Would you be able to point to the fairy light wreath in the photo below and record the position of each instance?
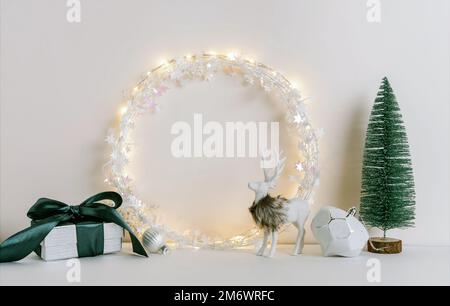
(175, 73)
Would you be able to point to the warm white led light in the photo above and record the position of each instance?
(123, 110)
(232, 56)
(163, 62)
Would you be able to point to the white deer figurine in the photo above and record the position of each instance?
(271, 213)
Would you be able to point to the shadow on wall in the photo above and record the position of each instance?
(346, 193)
(349, 179)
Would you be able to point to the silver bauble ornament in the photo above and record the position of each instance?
(154, 241)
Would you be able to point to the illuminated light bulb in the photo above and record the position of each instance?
(148, 73)
(299, 167)
(232, 56)
(213, 53)
(298, 119)
(163, 62)
(294, 85)
(188, 56)
(135, 89)
(123, 110)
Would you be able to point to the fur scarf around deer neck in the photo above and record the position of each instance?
(269, 213)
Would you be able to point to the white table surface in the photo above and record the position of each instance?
(415, 266)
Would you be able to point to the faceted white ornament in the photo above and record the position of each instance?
(339, 232)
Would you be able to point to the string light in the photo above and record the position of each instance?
(123, 110)
(294, 85)
(163, 62)
(203, 66)
(232, 56)
(299, 167)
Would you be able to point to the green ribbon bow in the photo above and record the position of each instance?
(48, 213)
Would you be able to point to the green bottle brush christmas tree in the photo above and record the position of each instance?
(387, 193)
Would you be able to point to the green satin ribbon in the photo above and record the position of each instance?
(90, 238)
(48, 213)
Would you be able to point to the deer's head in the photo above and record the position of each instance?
(271, 177)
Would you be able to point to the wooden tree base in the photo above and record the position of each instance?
(381, 245)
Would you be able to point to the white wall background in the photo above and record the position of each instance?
(62, 83)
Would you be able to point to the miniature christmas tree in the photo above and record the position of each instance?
(387, 195)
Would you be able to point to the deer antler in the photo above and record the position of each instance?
(266, 174)
(271, 179)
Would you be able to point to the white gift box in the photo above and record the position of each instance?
(61, 242)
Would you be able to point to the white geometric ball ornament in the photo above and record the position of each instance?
(339, 232)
